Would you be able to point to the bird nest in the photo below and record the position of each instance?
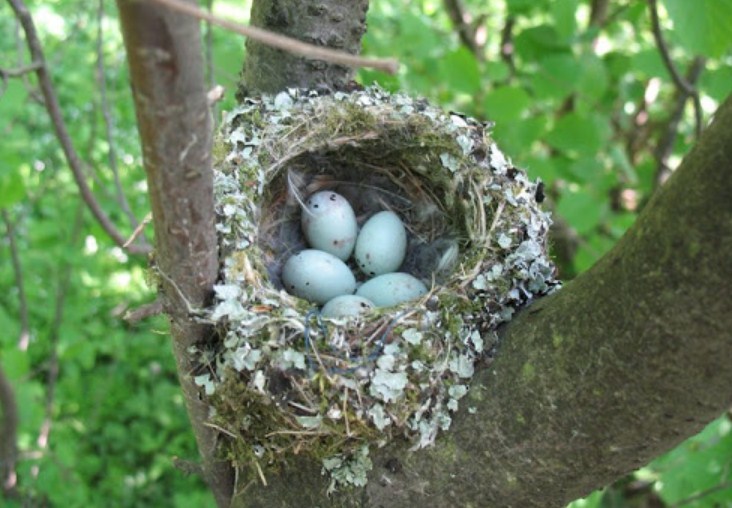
(284, 380)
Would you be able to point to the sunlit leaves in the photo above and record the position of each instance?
(703, 26)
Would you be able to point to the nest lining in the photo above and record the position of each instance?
(283, 380)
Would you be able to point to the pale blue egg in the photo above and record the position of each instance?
(346, 306)
(317, 276)
(329, 224)
(392, 289)
(381, 245)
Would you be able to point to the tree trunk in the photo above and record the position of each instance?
(337, 24)
(621, 365)
(166, 67)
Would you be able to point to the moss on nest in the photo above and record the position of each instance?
(285, 381)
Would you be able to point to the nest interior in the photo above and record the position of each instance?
(281, 379)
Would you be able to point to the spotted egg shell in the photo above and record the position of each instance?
(346, 306)
(317, 276)
(329, 224)
(392, 289)
(381, 245)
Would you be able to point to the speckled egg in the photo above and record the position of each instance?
(392, 289)
(317, 276)
(329, 224)
(381, 245)
(346, 306)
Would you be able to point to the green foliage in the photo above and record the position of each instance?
(582, 107)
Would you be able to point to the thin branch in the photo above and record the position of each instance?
(53, 340)
(145, 311)
(54, 111)
(24, 338)
(506, 49)
(109, 121)
(20, 71)
(390, 66)
(8, 437)
(668, 138)
(682, 84)
(598, 13)
(465, 30)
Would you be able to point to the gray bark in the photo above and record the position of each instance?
(337, 24)
(167, 73)
(591, 383)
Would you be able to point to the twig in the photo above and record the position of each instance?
(54, 111)
(145, 311)
(682, 84)
(109, 121)
(668, 138)
(140, 227)
(598, 13)
(507, 45)
(53, 340)
(20, 71)
(8, 437)
(390, 66)
(466, 32)
(24, 338)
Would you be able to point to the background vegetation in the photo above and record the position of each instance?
(581, 98)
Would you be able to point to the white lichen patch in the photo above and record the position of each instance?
(332, 388)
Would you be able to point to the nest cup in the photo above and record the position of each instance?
(476, 238)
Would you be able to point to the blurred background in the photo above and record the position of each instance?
(581, 98)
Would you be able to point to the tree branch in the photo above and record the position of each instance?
(54, 111)
(109, 124)
(590, 383)
(8, 437)
(466, 32)
(168, 82)
(64, 279)
(288, 44)
(332, 23)
(684, 86)
(24, 338)
(665, 146)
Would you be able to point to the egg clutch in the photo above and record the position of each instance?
(321, 274)
(366, 204)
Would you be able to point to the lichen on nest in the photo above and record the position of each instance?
(282, 379)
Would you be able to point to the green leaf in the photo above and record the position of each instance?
(518, 136)
(523, 7)
(506, 104)
(534, 43)
(582, 210)
(577, 134)
(704, 27)
(12, 187)
(565, 22)
(699, 464)
(592, 82)
(15, 363)
(460, 69)
(717, 83)
(557, 76)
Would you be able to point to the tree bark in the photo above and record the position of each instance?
(8, 437)
(332, 23)
(621, 365)
(167, 73)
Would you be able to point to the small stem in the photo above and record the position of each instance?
(24, 338)
(62, 133)
(390, 66)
